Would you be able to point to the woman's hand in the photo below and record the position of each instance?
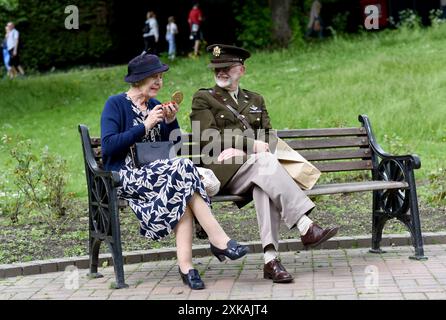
(170, 111)
(155, 116)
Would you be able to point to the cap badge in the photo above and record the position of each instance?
(217, 51)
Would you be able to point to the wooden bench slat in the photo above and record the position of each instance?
(337, 154)
(328, 143)
(343, 166)
(225, 198)
(322, 189)
(333, 188)
(309, 133)
(323, 132)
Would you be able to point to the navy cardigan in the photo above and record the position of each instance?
(118, 133)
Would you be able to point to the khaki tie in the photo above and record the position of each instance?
(234, 96)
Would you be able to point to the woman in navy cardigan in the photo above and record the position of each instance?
(165, 195)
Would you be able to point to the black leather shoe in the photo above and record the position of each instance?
(192, 279)
(233, 251)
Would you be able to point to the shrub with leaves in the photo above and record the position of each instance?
(409, 19)
(437, 192)
(254, 18)
(436, 17)
(35, 186)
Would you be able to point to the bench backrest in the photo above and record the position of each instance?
(333, 149)
(330, 150)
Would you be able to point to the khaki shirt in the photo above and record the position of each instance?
(212, 113)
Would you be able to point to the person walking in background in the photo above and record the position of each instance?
(5, 51)
(12, 44)
(151, 33)
(195, 19)
(171, 31)
(315, 23)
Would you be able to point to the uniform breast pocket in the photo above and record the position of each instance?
(255, 119)
(224, 119)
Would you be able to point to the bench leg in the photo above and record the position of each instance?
(95, 244)
(412, 221)
(116, 249)
(379, 220)
(118, 265)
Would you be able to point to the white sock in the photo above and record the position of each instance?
(304, 224)
(270, 255)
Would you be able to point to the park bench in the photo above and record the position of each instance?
(390, 179)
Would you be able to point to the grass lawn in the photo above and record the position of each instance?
(397, 78)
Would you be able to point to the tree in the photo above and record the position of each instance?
(280, 14)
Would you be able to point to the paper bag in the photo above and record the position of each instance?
(302, 171)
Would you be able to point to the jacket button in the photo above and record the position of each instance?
(222, 116)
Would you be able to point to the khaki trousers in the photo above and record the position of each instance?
(276, 196)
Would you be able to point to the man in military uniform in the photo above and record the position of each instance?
(228, 122)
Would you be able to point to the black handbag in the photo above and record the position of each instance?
(146, 152)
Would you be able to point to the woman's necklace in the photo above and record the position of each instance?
(141, 106)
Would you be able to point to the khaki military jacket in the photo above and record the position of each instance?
(209, 112)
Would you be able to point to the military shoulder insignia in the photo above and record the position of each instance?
(217, 51)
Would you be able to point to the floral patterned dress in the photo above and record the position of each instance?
(158, 193)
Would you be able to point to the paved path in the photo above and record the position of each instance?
(319, 274)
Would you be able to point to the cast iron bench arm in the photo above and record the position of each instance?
(413, 159)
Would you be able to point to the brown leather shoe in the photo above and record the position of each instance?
(276, 271)
(316, 235)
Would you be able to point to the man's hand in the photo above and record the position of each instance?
(260, 146)
(229, 153)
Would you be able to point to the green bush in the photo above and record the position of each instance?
(408, 19)
(35, 186)
(435, 17)
(437, 187)
(255, 22)
(44, 40)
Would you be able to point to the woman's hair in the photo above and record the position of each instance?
(171, 19)
(150, 14)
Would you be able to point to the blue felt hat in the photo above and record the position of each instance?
(143, 66)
